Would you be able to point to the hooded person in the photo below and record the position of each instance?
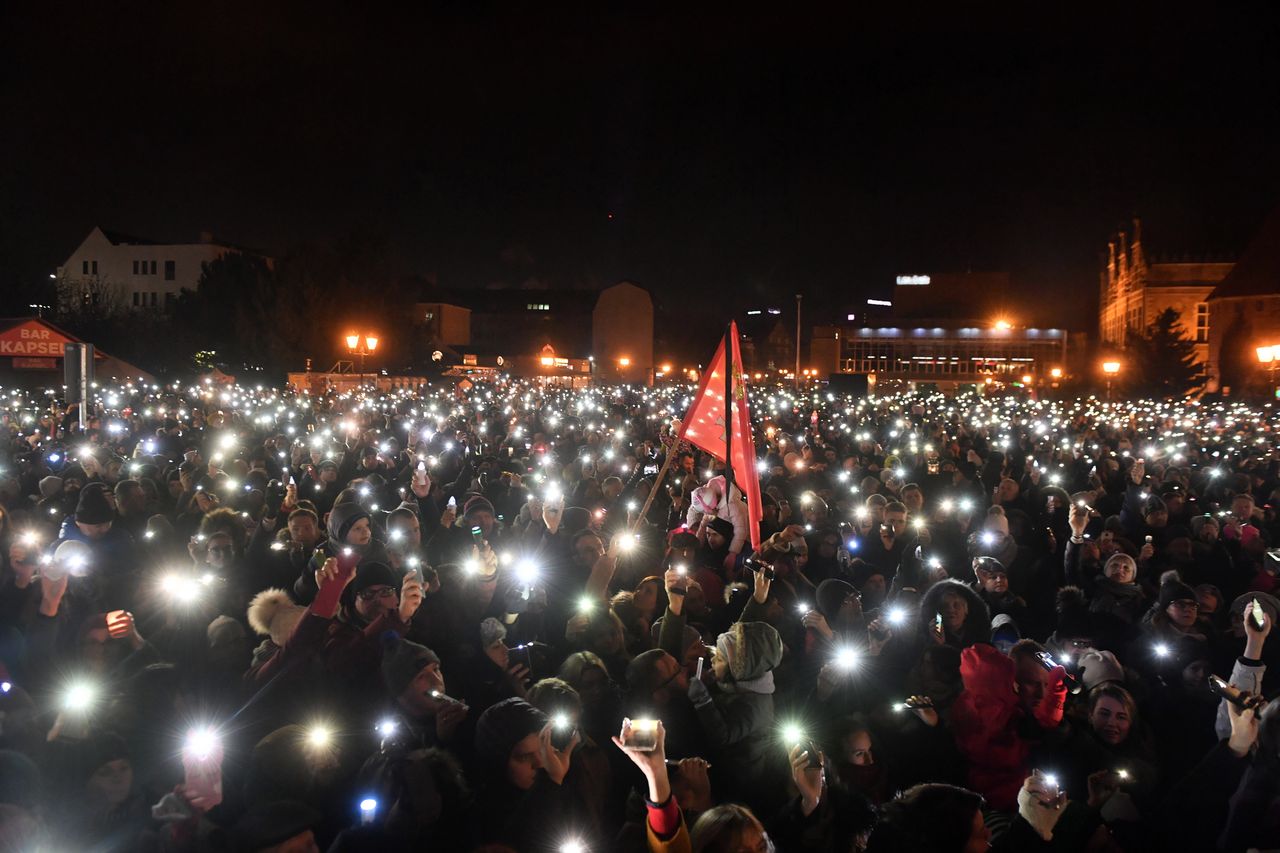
(349, 526)
(964, 616)
(523, 800)
(416, 687)
(737, 713)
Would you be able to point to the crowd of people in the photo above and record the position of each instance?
(513, 617)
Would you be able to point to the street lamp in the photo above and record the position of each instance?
(362, 346)
(1270, 356)
(1110, 368)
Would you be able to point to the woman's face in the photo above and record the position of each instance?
(1121, 571)
(524, 762)
(857, 749)
(593, 686)
(1183, 612)
(646, 597)
(954, 610)
(1110, 721)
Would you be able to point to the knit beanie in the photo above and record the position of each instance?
(504, 725)
(374, 574)
(574, 519)
(273, 614)
(722, 526)
(477, 503)
(223, 631)
(402, 660)
(50, 487)
(342, 518)
(1099, 667)
(93, 507)
(1154, 504)
(1175, 590)
(491, 631)
(832, 593)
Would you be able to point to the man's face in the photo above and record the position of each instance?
(220, 551)
(373, 601)
(133, 502)
(94, 531)
(995, 583)
(897, 520)
(914, 499)
(1157, 519)
(1183, 612)
(1242, 508)
(1208, 533)
(671, 679)
(588, 550)
(328, 474)
(1008, 490)
(416, 698)
(304, 530)
(715, 540)
(406, 533)
(483, 519)
(1032, 680)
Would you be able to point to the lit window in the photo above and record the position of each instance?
(1202, 322)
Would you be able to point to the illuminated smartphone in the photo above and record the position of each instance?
(642, 735)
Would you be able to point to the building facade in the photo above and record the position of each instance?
(1135, 289)
(951, 355)
(1244, 314)
(135, 274)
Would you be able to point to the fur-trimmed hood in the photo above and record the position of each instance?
(977, 625)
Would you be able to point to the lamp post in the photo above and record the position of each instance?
(1270, 355)
(362, 345)
(1110, 369)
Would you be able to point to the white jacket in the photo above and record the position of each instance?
(709, 499)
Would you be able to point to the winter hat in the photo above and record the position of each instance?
(491, 631)
(402, 660)
(224, 631)
(268, 824)
(1270, 605)
(751, 649)
(93, 507)
(1154, 504)
(50, 487)
(832, 593)
(574, 518)
(100, 749)
(682, 538)
(342, 518)
(722, 526)
(504, 725)
(477, 503)
(273, 614)
(1175, 590)
(74, 472)
(1004, 632)
(327, 463)
(1099, 667)
(374, 574)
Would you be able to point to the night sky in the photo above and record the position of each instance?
(719, 160)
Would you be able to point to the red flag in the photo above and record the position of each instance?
(705, 425)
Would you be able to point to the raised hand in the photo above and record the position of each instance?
(809, 780)
(556, 761)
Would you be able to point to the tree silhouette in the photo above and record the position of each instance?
(1165, 358)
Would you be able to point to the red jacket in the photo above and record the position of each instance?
(986, 717)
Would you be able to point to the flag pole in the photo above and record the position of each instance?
(658, 480)
(728, 413)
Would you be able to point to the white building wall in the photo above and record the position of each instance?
(126, 270)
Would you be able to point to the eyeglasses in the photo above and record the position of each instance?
(220, 549)
(377, 592)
